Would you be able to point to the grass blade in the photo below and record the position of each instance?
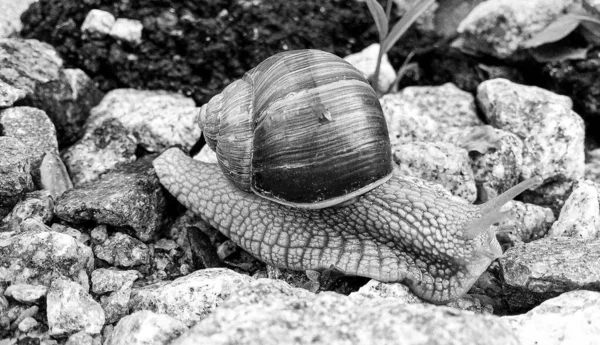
(407, 20)
(381, 20)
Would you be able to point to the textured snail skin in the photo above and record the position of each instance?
(402, 231)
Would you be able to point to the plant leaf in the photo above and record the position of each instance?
(381, 20)
(557, 51)
(407, 20)
(557, 30)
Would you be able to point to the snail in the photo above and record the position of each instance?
(391, 228)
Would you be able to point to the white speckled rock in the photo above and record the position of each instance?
(36, 205)
(439, 162)
(42, 257)
(157, 119)
(499, 27)
(127, 30)
(552, 133)
(26, 293)
(98, 23)
(108, 280)
(190, 298)
(272, 312)
(580, 216)
(11, 11)
(10, 94)
(15, 169)
(70, 309)
(528, 222)
(405, 120)
(571, 318)
(366, 62)
(123, 251)
(144, 328)
(116, 305)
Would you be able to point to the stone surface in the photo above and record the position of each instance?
(76, 234)
(405, 120)
(366, 62)
(592, 6)
(500, 27)
(207, 155)
(70, 309)
(11, 16)
(33, 128)
(580, 216)
(54, 176)
(552, 133)
(81, 338)
(26, 293)
(527, 222)
(27, 324)
(127, 30)
(592, 165)
(536, 271)
(446, 104)
(157, 119)
(145, 327)
(108, 280)
(116, 305)
(15, 173)
(439, 162)
(571, 318)
(99, 151)
(98, 23)
(9, 94)
(36, 205)
(272, 312)
(190, 298)
(39, 258)
(130, 196)
(123, 251)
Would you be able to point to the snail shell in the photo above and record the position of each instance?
(303, 128)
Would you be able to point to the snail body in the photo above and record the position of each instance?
(303, 128)
(304, 131)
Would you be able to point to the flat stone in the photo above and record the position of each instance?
(272, 312)
(109, 280)
(130, 196)
(536, 271)
(26, 293)
(146, 327)
(190, 298)
(70, 309)
(39, 258)
(571, 318)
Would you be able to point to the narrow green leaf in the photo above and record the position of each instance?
(381, 20)
(557, 30)
(407, 20)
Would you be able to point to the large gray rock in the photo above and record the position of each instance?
(580, 216)
(108, 280)
(536, 271)
(39, 258)
(130, 196)
(144, 328)
(190, 298)
(571, 318)
(272, 312)
(15, 173)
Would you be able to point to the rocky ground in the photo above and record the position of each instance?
(94, 251)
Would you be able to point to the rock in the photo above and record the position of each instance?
(98, 23)
(36, 69)
(76, 234)
(54, 176)
(446, 104)
(439, 162)
(25, 293)
(366, 62)
(580, 216)
(190, 298)
(116, 305)
(157, 119)
(42, 257)
(27, 324)
(207, 155)
(33, 128)
(131, 197)
(9, 94)
(15, 173)
(123, 251)
(592, 6)
(99, 151)
(552, 133)
(11, 16)
(99, 234)
(542, 269)
(80, 338)
(592, 165)
(501, 27)
(145, 327)
(109, 280)
(36, 205)
(527, 222)
(571, 318)
(127, 30)
(405, 120)
(271, 312)
(70, 309)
